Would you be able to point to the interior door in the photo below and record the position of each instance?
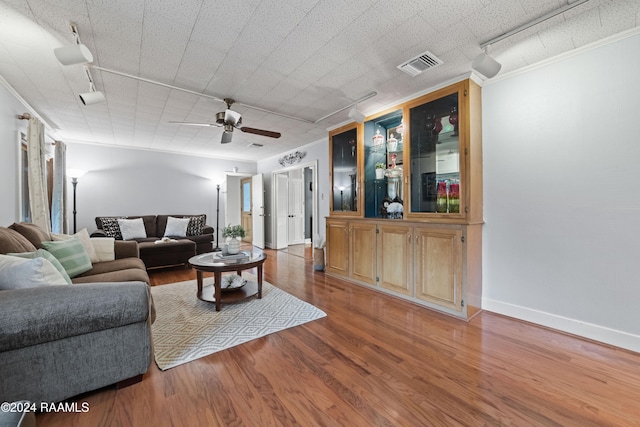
(257, 211)
(282, 210)
(245, 209)
(296, 207)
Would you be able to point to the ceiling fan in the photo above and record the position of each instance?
(231, 119)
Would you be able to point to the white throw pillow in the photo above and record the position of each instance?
(132, 228)
(176, 227)
(84, 237)
(21, 273)
(104, 248)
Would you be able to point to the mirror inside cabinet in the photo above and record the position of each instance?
(435, 156)
(345, 166)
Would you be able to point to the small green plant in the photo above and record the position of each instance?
(380, 166)
(233, 231)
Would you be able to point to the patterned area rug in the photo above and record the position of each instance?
(186, 328)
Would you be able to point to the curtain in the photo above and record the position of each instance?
(59, 198)
(38, 194)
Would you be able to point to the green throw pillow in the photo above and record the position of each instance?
(41, 253)
(71, 254)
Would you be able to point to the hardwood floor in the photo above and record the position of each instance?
(376, 360)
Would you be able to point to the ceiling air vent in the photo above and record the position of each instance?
(420, 63)
(255, 144)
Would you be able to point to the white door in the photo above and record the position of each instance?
(296, 207)
(257, 210)
(282, 210)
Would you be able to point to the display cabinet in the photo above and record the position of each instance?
(416, 228)
(344, 154)
(383, 163)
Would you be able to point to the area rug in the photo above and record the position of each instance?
(186, 328)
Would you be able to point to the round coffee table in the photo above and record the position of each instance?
(216, 263)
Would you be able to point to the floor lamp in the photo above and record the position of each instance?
(217, 248)
(75, 174)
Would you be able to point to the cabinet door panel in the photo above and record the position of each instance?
(363, 252)
(439, 267)
(338, 247)
(395, 257)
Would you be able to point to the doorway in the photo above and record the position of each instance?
(295, 208)
(246, 220)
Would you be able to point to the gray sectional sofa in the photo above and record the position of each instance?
(59, 341)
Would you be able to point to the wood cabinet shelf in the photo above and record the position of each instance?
(417, 232)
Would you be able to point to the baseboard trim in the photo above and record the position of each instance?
(590, 331)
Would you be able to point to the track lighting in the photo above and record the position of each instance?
(486, 65)
(73, 54)
(356, 115)
(93, 96)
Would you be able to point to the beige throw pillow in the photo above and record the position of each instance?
(104, 248)
(83, 235)
(21, 273)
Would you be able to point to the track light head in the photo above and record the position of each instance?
(90, 98)
(486, 65)
(73, 54)
(356, 115)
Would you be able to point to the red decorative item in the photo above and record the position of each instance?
(441, 197)
(453, 119)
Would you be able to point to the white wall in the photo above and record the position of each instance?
(561, 153)
(124, 181)
(316, 151)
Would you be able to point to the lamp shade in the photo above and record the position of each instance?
(73, 54)
(486, 65)
(91, 98)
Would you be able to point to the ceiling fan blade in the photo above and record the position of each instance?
(195, 124)
(226, 137)
(262, 132)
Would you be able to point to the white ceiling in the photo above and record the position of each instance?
(304, 58)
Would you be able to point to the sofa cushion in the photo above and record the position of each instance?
(105, 248)
(176, 227)
(71, 254)
(12, 241)
(126, 275)
(34, 233)
(132, 228)
(20, 273)
(83, 236)
(162, 223)
(114, 265)
(196, 225)
(41, 253)
(110, 227)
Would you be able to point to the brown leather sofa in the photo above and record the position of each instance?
(164, 254)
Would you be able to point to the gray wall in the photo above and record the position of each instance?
(10, 107)
(561, 200)
(122, 181)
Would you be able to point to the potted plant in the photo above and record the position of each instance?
(233, 232)
(380, 167)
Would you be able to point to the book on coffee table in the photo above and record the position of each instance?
(239, 255)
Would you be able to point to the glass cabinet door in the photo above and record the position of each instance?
(435, 156)
(344, 156)
(383, 163)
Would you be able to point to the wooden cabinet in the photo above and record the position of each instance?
(395, 261)
(362, 252)
(430, 250)
(438, 258)
(337, 257)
